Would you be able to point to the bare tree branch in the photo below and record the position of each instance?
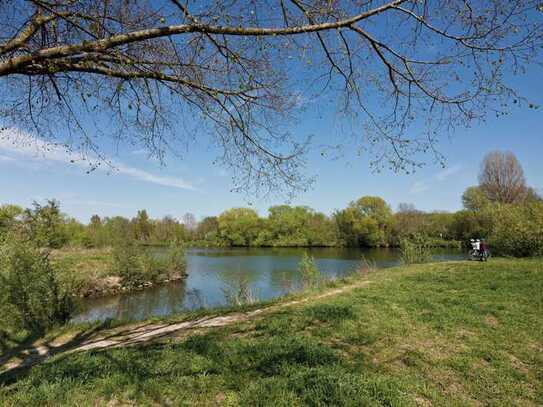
(237, 74)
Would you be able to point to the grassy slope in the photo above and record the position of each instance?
(441, 334)
(94, 261)
(85, 271)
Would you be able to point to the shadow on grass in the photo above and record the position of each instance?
(278, 370)
(9, 344)
(31, 354)
(91, 340)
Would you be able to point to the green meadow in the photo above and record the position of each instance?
(456, 333)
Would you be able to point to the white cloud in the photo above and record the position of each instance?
(424, 185)
(448, 172)
(5, 158)
(24, 145)
(142, 175)
(418, 187)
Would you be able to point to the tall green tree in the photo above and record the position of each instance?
(168, 230)
(76, 233)
(365, 222)
(9, 215)
(474, 198)
(288, 226)
(208, 229)
(238, 227)
(321, 230)
(95, 230)
(44, 224)
(472, 224)
(142, 226)
(117, 229)
(407, 221)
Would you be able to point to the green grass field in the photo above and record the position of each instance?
(462, 333)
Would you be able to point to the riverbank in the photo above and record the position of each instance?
(435, 243)
(93, 273)
(451, 333)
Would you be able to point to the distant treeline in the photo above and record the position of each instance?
(366, 222)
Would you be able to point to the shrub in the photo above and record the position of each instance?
(128, 264)
(151, 269)
(240, 293)
(44, 225)
(518, 230)
(415, 250)
(30, 289)
(366, 266)
(137, 266)
(173, 265)
(176, 261)
(309, 271)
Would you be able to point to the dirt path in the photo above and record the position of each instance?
(138, 333)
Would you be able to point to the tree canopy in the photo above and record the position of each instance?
(501, 181)
(502, 178)
(238, 73)
(365, 222)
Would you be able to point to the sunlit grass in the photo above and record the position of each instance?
(457, 333)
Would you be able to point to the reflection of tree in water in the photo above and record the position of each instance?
(287, 281)
(250, 271)
(195, 299)
(243, 273)
(162, 300)
(175, 294)
(98, 309)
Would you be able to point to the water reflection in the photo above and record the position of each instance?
(269, 272)
(161, 300)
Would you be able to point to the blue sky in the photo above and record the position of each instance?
(195, 185)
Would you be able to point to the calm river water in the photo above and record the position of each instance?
(270, 272)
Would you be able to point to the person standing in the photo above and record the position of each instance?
(483, 248)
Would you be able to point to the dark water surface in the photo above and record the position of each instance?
(270, 272)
